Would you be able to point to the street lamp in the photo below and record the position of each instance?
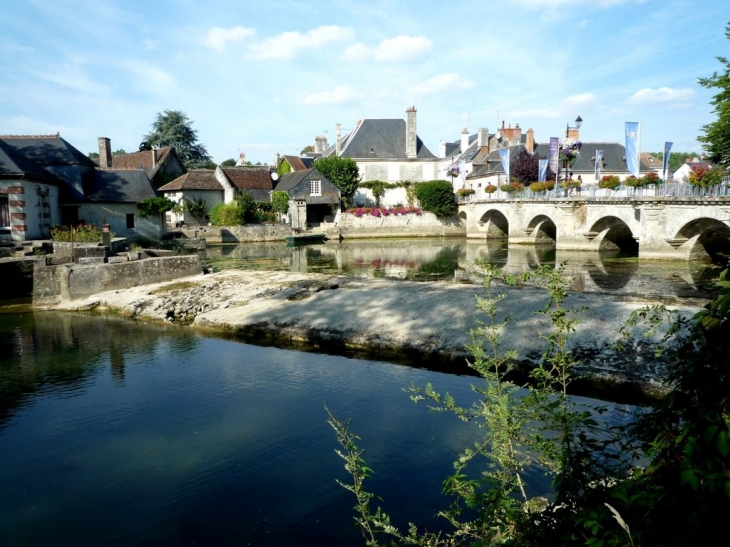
(578, 123)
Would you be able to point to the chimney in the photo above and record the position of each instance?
(338, 143)
(442, 149)
(517, 135)
(105, 153)
(277, 159)
(320, 144)
(530, 141)
(154, 157)
(464, 140)
(411, 135)
(482, 137)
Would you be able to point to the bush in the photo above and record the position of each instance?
(154, 206)
(280, 202)
(461, 192)
(83, 233)
(436, 196)
(609, 182)
(704, 176)
(226, 214)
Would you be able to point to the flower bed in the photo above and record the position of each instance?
(383, 211)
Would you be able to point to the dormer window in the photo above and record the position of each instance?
(315, 188)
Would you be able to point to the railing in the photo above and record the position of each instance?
(677, 190)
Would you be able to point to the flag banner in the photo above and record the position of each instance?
(599, 164)
(504, 157)
(554, 153)
(633, 138)
(667, 150)
(542, 170)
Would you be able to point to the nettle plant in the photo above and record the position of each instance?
(680, 496)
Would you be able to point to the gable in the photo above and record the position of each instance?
(381, 139)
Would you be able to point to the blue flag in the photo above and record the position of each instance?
(667, 149)
(554, 152)
(542, 170)
(599, 164)
(504, 158)
(633, 138)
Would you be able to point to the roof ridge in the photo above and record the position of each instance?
(56, 136)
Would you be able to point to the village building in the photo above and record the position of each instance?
(313, 199)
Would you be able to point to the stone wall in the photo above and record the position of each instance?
(423, 225)
(53, 284)
(17, 278)
(239, 234)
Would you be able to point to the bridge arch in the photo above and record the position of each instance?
(613, 234)
(462, 216)
(495, 224)
(542, 230)
(708, 239)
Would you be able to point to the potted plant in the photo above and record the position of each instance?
(490, 188)
(609, 182)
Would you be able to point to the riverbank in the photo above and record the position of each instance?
(382, 318)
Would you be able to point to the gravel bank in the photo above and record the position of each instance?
(382, 316)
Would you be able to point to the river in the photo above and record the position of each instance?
(120, 433)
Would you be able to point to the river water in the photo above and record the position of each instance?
(114, 432)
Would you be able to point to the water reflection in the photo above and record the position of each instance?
(434, 259)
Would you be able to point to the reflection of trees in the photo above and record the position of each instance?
(444, 265)
(58, 352)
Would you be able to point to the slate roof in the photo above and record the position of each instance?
(291, 180)
(254, 180)
(13, 165)
(380, 139)
(195, 179)
(119, 186)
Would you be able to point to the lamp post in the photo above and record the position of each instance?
(578, 123)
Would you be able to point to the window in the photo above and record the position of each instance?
(315, 188)
(130, 221)
(4, 211)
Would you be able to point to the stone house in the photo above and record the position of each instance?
(67, 188)
(387, 149)
(313, 199)
(216, 186)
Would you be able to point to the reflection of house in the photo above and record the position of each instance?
(388, 150)
(66, 188)
(313, 199)
(160, 164)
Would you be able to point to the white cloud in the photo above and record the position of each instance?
(663, 95)
(339, 95)
(290, 44)
(219, 38)
(400, 48)
(403, 48)
(442, 82)
(73, 76)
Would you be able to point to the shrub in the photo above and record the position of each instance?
(512, 187)
(226, 214)
(83, 233)
(703, 176)
(461, 192)
(652, 178)
(609, 182)
(633, 182)
(279, 202)
(154, 206)
(538, 187)
(436, 196)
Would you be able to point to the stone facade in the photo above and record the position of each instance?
(411, 225)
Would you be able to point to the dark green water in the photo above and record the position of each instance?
(118, 433)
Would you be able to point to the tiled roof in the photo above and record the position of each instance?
(195, 179)
(249, 178)
(140, 160)
(296, 163)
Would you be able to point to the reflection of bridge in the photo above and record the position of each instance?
(685, 228)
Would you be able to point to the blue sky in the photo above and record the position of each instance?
(267, 76)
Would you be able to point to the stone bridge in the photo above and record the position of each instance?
(679, 228)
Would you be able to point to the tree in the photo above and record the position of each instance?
(307, 150)
(228, 163)
(525, 167)
(342, 172)
(676, 159)
(437, 197)
(174, 128)
(716, 137)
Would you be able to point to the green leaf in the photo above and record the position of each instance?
(723, 443)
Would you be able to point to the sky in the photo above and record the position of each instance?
(266, 76)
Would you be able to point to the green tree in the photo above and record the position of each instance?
(228, 163)
(174, 128)
(307, 150)
(436, 196)
(342, 172)
(676, 159)
(279, 202)
(716, 137)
